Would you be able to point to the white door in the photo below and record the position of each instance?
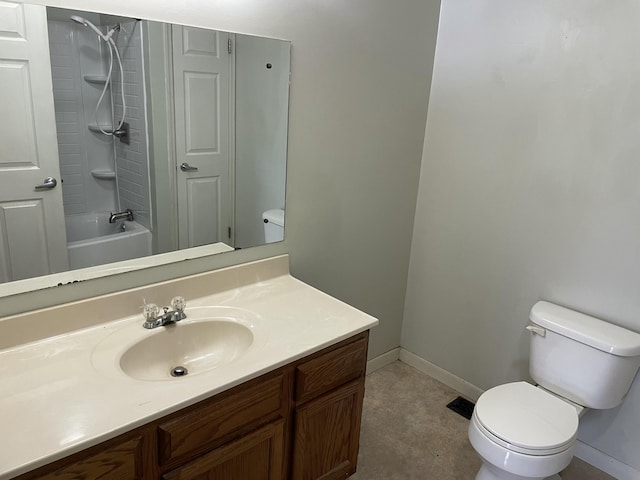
(32, 233)
(201, 95)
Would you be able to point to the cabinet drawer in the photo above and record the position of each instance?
(220, 419)
(330, 370)
(257, 455)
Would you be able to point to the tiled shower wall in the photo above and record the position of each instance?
(132, 159)
(74, 52)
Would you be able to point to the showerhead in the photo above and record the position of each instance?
(78, 19)
(87, 23)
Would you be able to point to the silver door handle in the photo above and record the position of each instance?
(48, 184)
(185, 167)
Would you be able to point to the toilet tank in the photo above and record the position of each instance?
(581, 358)
(273, 225)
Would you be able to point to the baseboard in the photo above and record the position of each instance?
(461, 386)
(604, 462)
(383, 360)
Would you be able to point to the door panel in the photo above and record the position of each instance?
(33, 238)
(201, 111)
(19, 149)
(201, 95)
(202, 193)
(23, 247)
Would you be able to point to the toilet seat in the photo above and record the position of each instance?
(526, 419)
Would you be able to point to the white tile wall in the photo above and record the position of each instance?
(132, 160)
(75, 51)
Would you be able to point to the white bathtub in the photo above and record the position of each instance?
(92, 240)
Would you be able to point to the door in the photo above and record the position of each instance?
(201, 94)
(32, 233)
(327, 434)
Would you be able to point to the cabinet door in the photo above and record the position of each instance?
(122, 461)
(257, 456)
(327, 434)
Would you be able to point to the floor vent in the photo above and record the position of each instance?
(462, 407)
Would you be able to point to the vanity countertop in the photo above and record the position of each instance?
(65, 392)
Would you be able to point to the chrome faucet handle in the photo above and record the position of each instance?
(178, 304)
(150, 312)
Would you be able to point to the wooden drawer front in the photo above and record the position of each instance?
(232, 414)
(257, 456)
(331, 370)
(123, 461)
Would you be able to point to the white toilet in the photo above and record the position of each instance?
(273, 225)
(522, 431)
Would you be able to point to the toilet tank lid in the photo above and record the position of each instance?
(586, 329)
(275, 215)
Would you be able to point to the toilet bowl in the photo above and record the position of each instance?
(522, 431)
(525, 430)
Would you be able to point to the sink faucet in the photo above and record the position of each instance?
(154, 317)
(126, 215)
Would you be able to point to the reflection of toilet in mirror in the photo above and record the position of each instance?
(525, 432)
(273, 225)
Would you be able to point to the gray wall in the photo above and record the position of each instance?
(529, 189)
(360, 85)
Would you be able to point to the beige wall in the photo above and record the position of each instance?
(360, 85)
(529, 189)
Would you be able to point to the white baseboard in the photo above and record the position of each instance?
(462, 386)
(383, 360)
(604, 462)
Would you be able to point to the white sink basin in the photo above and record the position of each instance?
(208, 338)
(191, 347)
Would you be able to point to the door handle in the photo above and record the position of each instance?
(185, 167)
(48, 184)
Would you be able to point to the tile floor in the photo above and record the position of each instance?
(409, 434)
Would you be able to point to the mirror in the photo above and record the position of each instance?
(135, 142)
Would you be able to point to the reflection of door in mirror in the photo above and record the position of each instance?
(32, 234)
(191, 131)
(201, 89)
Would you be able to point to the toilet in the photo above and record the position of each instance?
(273, 225)
(524, 431)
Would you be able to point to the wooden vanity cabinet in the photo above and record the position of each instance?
(329, 394)
(299, 422)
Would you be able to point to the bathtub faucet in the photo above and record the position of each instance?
(153, 318)
(126, 215)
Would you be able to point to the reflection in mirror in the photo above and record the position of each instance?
(132, 138)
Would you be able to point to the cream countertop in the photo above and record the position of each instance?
(64, 393)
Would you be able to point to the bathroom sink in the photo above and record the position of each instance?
(208, 338)
(186, 349)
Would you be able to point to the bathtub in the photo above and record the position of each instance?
(92, 240)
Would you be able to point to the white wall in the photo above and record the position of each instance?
(529, 189)
(360, 85)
